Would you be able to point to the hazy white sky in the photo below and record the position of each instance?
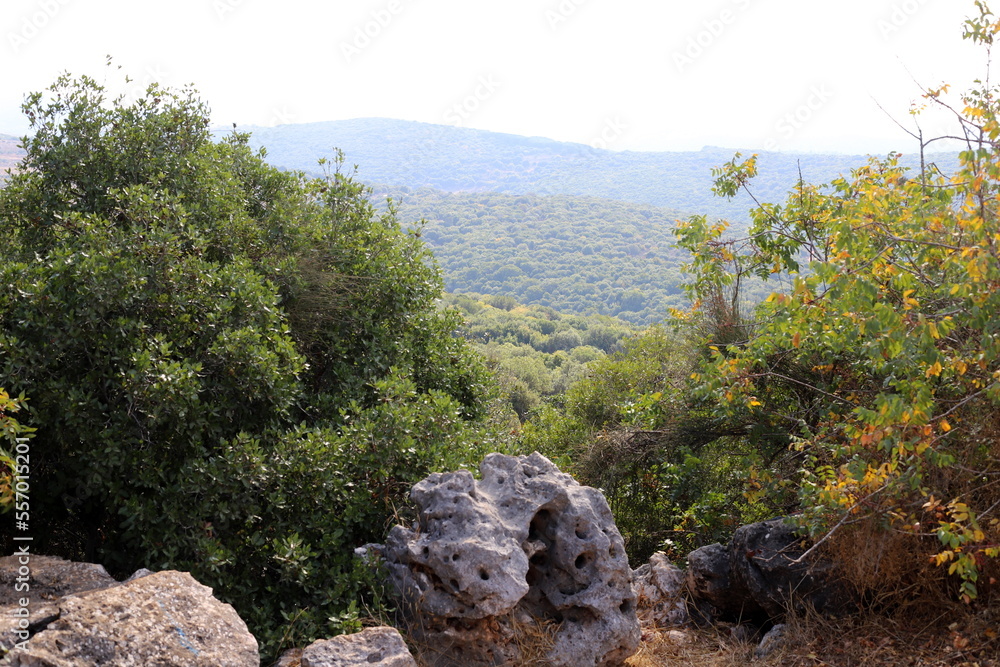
(624, 74)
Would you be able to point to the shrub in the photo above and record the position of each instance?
(235, 370)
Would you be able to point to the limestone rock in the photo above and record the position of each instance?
(166, 618)
(525, 560)
(771, 641)
(757, 576)
(763, 560)
(42, 581)
(379, 647)
(659, 588)
(710, 582)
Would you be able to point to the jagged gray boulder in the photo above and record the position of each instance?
(765, 562)
(659, 588)
(525, 561)
(715, 594)
(376, 647)
(166, 618)
(41, 581)
(760, 573)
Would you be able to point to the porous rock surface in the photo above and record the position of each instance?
(378, 647)
(523, 565)
(659, 587)
(161, 619)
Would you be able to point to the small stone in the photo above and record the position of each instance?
(377, 647)
(678, 637)
(659, 590)
(772, 641)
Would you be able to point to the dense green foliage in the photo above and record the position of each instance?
(673, 474)
(882, 360)
(459, 159)
(535, 352)
(611, 404)
(234, 370)
(575, 254)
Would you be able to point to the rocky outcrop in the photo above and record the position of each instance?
(766, 562)
(41, 581)
(659, 588)
(524, 561)
(166, 618)
(377, 647)
(713, 590)
(760, 574)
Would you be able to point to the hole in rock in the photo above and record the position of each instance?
(484, 575)
(581, 533)
(539, 524)
(455, 557)
(377, 656)
(501, 479)
(454, 584)
(581, 561)
(426, 551)
(539, 559)
(613, 552)
(625, 607)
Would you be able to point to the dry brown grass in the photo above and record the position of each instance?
(959, 637)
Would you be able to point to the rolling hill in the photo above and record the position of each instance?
(579, 255)
(457, 159)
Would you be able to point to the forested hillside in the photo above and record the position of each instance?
(10, 154)
(578, 255)
(405, 153)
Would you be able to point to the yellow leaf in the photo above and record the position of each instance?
(934, 370)
(796, 339)
(945, 426)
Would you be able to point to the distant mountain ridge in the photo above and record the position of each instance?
(398, 153)
(459, 159)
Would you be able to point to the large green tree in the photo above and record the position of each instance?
(880, 355)
(233, 370)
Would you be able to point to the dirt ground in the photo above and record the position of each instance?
(956, 637)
